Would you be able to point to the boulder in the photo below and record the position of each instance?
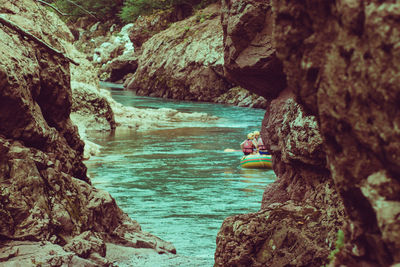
(241, 97)
(256, 239)
(301, 212)
(35, 101)
(28, 253)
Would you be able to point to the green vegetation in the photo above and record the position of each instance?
(338, 246)
(203, 17)
(132, 9)
(125, 10)
(100, 9)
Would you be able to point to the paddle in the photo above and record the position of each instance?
(231, 150)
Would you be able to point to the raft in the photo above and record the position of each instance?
(256, 161)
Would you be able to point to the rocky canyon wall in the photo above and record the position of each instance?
(185, 61)
(333, 132)
(47, 203)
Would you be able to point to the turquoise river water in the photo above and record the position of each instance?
(178, 182)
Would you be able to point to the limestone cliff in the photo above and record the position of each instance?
(184, 61)
(47, 203)
(333, 132)
(197, 73)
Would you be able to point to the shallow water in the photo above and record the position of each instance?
(178, 182)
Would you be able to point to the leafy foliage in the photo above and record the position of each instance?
(132, 9)
(101, 9)
(339, 245)
(126, 10)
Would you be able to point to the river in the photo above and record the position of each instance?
(178, 182)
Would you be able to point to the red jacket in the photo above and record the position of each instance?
(248, 146)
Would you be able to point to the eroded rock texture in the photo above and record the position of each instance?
(342, 60)
(301, 212)
(334, 135)
(146, 26)
(249, 55)
(47, 204)
(185, 61)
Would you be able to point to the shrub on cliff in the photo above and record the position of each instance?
(132, 9)
(125, 10)
(101, 9)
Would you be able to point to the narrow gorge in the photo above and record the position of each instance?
(327, 74)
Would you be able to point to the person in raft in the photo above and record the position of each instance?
(259, 143)
(247, 145)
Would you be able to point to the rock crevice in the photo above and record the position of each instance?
(333, 131)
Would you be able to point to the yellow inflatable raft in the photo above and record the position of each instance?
(256, 161)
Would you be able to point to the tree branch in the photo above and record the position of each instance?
(87, 11)
(53, 7)
(30, 36)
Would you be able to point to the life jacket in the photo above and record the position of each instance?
(261, 145)
(248, 146)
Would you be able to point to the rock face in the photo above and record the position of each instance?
(35, 105)
(301, 212)
(196, 75)
(146, 26)
(241, 97)
(118, 68)
(250, 58)
(184, 61)
(334, 136)
(345, 71)
(256, 239)
(117, 44)
(47, 204)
